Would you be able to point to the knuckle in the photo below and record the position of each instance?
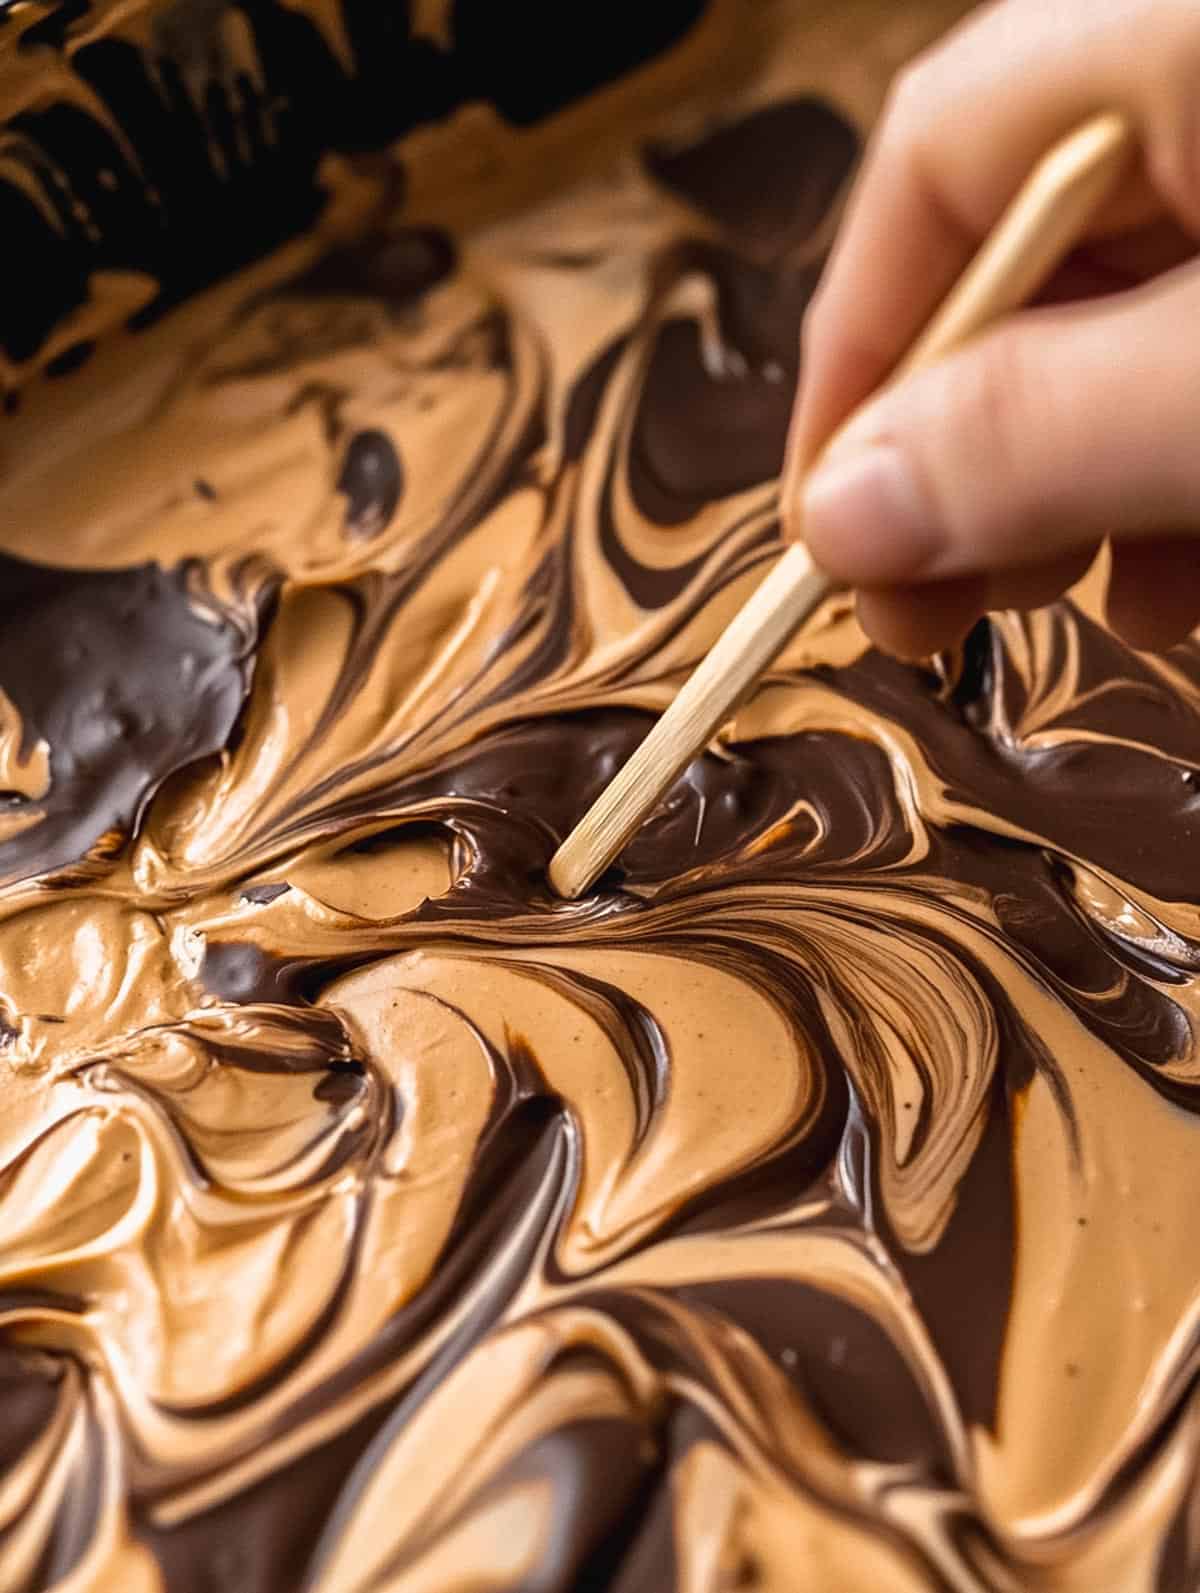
(907, 95)
(900, 150)
(904, 117)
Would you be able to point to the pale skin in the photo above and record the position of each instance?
(991, 480)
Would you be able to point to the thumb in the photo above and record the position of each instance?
(1032, 443)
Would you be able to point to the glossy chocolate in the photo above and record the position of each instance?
(122, 677)
(808, 1207)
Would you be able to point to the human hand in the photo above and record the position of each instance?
(990, 479)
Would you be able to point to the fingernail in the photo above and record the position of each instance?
(867, 518)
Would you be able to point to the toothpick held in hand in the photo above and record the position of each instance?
(1037, 231)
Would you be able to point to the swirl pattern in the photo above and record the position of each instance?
(806, 1209)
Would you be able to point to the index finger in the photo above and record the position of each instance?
(960, 132)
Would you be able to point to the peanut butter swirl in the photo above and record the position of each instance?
(807, 1209)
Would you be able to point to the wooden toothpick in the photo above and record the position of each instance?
(1035, 234)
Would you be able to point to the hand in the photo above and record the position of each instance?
(990, 480)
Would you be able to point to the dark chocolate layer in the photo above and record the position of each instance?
(801, 1210)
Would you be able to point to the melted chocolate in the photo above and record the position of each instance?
(839, 1359)
(811, 1192)
(372, 479)
(397, 267)
(28, 1395)
(126, 680)
(238, 972)
(699, 436)
(768, 179)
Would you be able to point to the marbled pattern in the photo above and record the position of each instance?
(807, 1209)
